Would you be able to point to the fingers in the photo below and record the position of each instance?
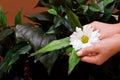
(97, 26)
(90, 55)
(92, 60)
(88, 51)
(88, 59)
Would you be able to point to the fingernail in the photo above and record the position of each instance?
(79, 53)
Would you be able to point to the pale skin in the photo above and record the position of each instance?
(108, 45)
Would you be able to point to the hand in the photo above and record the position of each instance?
(101, 51)
(106, 30)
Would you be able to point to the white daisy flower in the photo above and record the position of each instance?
(84, 38)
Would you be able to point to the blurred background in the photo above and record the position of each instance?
(11, 8)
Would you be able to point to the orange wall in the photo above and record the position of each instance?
(11, 8)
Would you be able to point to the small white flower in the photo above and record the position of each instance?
(84, 38)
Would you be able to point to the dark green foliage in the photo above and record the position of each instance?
(18, 18)
(3, 19)
(55, 24)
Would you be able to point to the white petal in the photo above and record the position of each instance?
(87, 30)
(77, 44)
(86, 45)
(76, 35)
(79, 31)
(94, 37)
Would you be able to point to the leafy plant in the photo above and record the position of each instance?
(10, 50)
(75, 14)
(47, 40)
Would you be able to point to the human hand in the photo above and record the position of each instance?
(105, 29)
(101, 51)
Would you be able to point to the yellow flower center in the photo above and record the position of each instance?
(84, 39)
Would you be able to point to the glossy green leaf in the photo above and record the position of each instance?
(43, 3)
(16, 55)
(3, 68)
(108, 13)
(11, 57)
(4, 65)
(52, 11)
(106, 2)
(35, 36)
(95, 7)
(18, 19)
(54, 45)
(3, 19)
(85, 8)
(81, 1)
(73, 61)
(49, 59)
(41, 18)
(8, 55)
(57, 21)
(5, 33)
(73, 19)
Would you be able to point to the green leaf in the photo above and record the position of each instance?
(8, 55)
(36, 36)
(73, 61)
(43, 3)
(69, 50)
(49, 59)
(22, 50)
(95, 7)
(73, 19)
(4, 65)
(57, 21)
(41, 18)
(5, 33)
(54, 45)
(52, 11)
(108, 13)
(12, 56)
(3, 68)
(106, 2)
(18, 19)
(81, 1)
(85, 8)
(3, 19)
